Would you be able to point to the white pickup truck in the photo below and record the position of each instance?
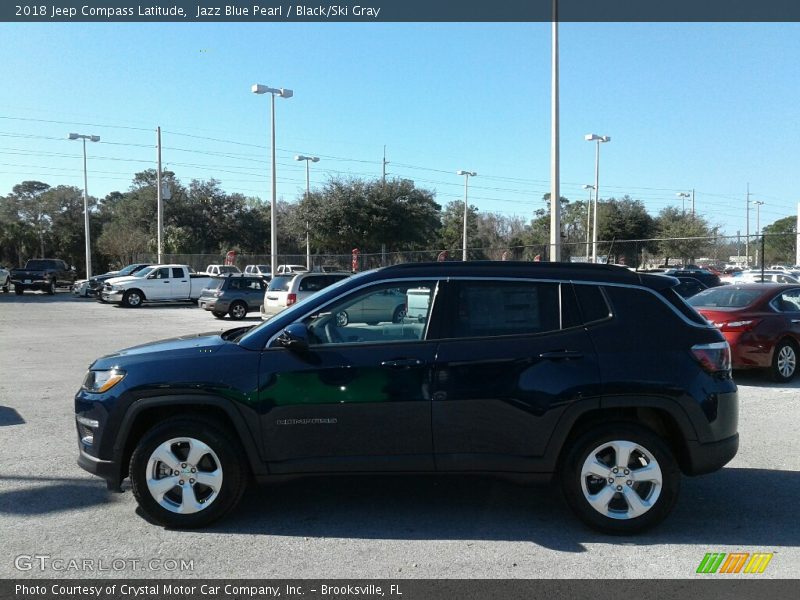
(159, 283)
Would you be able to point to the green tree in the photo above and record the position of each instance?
(780, 241)
(688, 235)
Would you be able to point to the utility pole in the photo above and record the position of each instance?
(692, 201)
(383, 177)
(159, 199)
(555, 193)
(747, 231)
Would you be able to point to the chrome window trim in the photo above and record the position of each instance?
(440, 279)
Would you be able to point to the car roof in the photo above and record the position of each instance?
(549, 270)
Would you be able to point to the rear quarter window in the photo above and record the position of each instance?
(280, 283)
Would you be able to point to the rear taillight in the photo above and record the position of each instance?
(740, 325)
(291, 299)
(713, 357)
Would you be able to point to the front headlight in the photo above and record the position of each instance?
(98, 382)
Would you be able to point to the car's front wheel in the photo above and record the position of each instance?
(51, 287)
(620, 478)
(133, 299)
(19, 290)
(187, 472)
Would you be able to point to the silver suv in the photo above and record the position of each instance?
(286, 290)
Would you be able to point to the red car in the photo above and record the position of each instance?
(761, 322)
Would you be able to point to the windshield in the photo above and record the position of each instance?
(128, 270)
(263, 268)
(724, 297)
(229, 269)
(36, 265)
(144, 272)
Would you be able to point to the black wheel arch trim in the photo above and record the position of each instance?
(245, 434)
(578, 409)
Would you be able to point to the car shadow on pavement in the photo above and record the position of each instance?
(9, 416)
(728, 507)
(38, 297)
(46, 495)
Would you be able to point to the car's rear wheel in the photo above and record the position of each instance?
(620, 478)
(187, 472)
(18, 289)
(133, 299)
(51, 287)
(784, 361)
(238, 311)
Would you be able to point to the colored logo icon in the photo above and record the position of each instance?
(735, 562)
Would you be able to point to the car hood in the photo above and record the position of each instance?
(200, 343)
(124, 279)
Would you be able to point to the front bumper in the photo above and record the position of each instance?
(107, 469)
(113, 296)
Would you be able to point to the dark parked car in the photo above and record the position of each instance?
(689, 286)
(525, 370)
(761, 322)
(234, 295)
(45, 274)
(94, 286)
(707, 278)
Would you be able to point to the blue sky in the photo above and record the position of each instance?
(704, 106)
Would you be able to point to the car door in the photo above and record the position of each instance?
(254, 292)
(159, 284)
(357, 400)
(787, 304)
(512, 357)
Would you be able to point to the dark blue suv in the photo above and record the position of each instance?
(600, 377)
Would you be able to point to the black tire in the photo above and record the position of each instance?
(51, 287)
(5, 287)
(219, 315)
(18, 289)
(132, 299)
(399, 314)
(227, 456)
(238, 310)
(342, 318)
(620, 522)
(784, 361)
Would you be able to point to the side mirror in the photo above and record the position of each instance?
(294, 338)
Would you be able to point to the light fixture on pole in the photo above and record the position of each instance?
(467, 175)
(758, 204)
(308, 195)
(588, 217)
(592, 137)
(683, 196)
(257, 88)
(91, 138)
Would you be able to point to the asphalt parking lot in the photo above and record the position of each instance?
(392, 527)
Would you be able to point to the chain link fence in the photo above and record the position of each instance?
(718, 252)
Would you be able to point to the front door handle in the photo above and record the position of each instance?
(795, 321)
(561, 355)
(402, 363)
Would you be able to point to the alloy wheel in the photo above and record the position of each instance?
(787, 361)
(621, 479)
(184, 475)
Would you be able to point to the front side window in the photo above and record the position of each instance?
(381, 314)
(495, 308)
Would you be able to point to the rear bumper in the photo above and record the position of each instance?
(710, 457)
(748, 352)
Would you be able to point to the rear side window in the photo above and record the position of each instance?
(177, 273)
(494, 308)
(313, 284)
(592, 302)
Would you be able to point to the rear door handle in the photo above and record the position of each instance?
(561, 355)
(402, 363)
(795, 321)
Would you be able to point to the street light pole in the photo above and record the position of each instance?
(758, 204)
(591, 137)
(683, 196)
(308, 195)
(91, 138)
(588, 217)
(257, 88)
(467, 175)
